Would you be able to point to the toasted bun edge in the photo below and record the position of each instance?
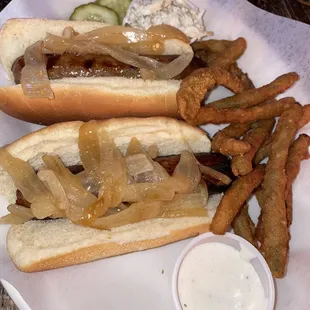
(93, 98)
(99, 250)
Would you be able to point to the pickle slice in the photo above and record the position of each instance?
(119, 6)
(95, 12)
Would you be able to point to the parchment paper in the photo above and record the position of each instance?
(143, 280)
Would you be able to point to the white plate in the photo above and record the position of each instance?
(143, 280)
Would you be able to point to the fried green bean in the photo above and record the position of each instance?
(255, 96)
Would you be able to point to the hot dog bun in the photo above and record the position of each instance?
(81, 98)
(41, 245)
(93, 98)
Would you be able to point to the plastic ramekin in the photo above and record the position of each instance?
(234, 241)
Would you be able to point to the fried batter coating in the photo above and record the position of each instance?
(276, 233)
(229, 55)
(229, 146)
(211, 46)
(243, 225)
(259, 230)
(263, 111)
(236, 130)
(234, 199)
(196, 85)
(221, 53)
(289, 206)
(225, 142)
(263, 152)
(233, 68)
(305, 116)
(242, 164)
(246, 81)
(298, 151)
(206, 57)
(255, 96)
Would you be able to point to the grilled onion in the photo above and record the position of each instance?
(134, 147)
(103, 163)
(125, 46)
(186, 174)
(137, 164)
(27, 181)
(13, 219)
(153, 151)
(75, 201)
(141, 166)
(21, 211)
(148, 191)
(122, 35)
(141, 211)
(34, 79)
(59, 45)
(215, 174)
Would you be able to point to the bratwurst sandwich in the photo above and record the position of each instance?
(74, 70)
(84, 191)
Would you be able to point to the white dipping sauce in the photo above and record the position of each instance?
(215, 276)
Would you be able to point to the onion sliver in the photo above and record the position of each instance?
(135, 147)
(34, 79)
(89, 147)
(20, 211)
(27, 181)
(153, 151)
(13, 219)
(69, 193)
(54, 163)
(49, 177)
(215, 174)
(43, 208)
(128, 35)
(141, 211)
(69, 32)
(186, 174)
(137, 164)
(157, 174)
(103, 163)
(148, 191)
(203, 190)
(170, 70)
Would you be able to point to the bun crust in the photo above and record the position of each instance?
(68, 244)
(93, 98)
(32, 256)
